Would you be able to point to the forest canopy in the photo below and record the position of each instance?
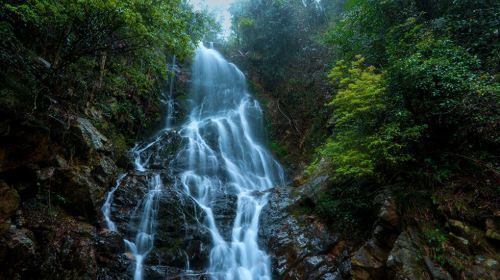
(62, 57)
(376, 87)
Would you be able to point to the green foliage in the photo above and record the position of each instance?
(443, 87)
(435, 238)
(438, 95)
(475, 29)
(80, 56)
(278, 148)
(363, 27)
(367, 132)
(347, 207)
(433, 100)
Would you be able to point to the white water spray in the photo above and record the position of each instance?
(144, 239)
(106, 208)
(223, 155)
(169, 98)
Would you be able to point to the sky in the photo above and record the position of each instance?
(221, 10)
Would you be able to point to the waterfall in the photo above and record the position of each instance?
(224, 155)
(169, 98)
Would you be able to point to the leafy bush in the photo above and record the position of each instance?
(369, 132)
(78, 56)
(348, 207)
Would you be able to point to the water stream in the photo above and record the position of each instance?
(223, 156)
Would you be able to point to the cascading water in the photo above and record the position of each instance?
(223, 155)
(169, 98)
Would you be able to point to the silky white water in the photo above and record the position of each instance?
(224, 155)
(143, 242)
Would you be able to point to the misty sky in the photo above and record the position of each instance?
(220, 8)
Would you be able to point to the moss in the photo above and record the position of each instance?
(120, 144)
(302, 210)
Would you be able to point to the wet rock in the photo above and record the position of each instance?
(105, 170)
(473, 234)
(369, 261)
(492, 229)
(301, 247)
(93, 139)
(492, 264)
(81, 194)
(9, 203)
(56, 183)
(26, 143)
(224, 209)
(485, 268)
(17, 250)
(388, 213)
(182, 238)
(462, 243)
(437, 272)
(405, 259)
(79, 252)
(313, 188)
(111, 262)
(298, 181)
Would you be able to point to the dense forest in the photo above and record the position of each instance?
(384, 113)
(387, 93)
(398, 96)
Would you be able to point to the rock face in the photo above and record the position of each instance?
(301, 247)
(369, 261)
(406, 259)
(181, 240)
(9, 205)
(52, 184)
(51, 224)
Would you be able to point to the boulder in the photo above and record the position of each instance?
(485, 268)
(405, 261)
(471, 233)
(437, 272)
(92, 138)
(313, 188)
(9, 203)
(300, 247)
(368, 262)
(388, 213)
(81, 194)
(492, 229)
(17, 253)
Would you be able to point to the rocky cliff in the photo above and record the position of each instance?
(401, 245)
(53, 178)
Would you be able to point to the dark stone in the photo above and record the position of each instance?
(9, 202)
(405, 260)
(437, 272)
(300, 247)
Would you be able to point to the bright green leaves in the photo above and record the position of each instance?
(359, 96)
(348, 155)
(369, 132)
(436, 92)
